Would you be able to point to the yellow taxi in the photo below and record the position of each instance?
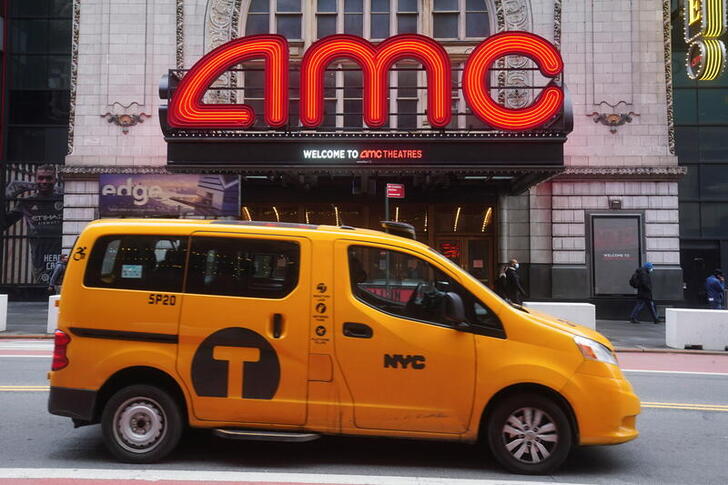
(288, 332)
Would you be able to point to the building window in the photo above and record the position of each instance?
(373, 19)
(460, 19)
(277, 16)
(38, 85)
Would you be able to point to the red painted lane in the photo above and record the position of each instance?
(25, 352)
(115, 481)
(680, 362)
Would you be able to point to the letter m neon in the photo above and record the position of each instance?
(375, 62)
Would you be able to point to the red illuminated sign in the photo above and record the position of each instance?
(186, 109)
(395, 191)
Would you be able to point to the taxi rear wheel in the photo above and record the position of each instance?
(141, 424)
(529, 434)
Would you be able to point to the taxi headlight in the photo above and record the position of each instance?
(593, 350)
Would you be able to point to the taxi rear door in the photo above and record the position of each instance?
(243, 334)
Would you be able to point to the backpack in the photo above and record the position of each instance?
(634, 280)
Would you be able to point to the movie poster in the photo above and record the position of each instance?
(173, 195)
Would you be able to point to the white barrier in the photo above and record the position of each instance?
(581, 313)
(53, 313)
(3, 313)
(688, 327)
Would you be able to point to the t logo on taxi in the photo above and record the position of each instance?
(236, 363)
(187, 110)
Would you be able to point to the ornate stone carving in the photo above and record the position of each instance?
(180, 34)
(667, 38)
(123, 118)
(514, 15)
(668, 172)
(74, 74)
(613, 120)
(218, 30)
(557, 23)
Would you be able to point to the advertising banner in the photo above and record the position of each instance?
(32, 223)
(174, 195)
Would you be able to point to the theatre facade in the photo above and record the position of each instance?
(520, 129)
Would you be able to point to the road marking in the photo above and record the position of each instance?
(677, 372)
(248, 477)
(20, 388)
(25, 356)
(686, 406)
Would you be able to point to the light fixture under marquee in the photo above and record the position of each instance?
(186, 109)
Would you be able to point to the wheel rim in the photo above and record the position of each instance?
(139, 425)
(530, 435)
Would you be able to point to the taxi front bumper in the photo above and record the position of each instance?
(606, 409)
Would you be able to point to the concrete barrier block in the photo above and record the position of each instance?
(691, 327)
(53, 302)
(581, 313)
(3, 313)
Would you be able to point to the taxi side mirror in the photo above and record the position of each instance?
(455, 310)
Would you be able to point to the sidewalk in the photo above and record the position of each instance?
(29, 318)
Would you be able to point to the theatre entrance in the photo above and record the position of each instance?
(463, 232)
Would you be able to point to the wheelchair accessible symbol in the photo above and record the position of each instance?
(321, 307)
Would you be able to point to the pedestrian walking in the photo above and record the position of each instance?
(514, 290)
(59, 270)
(715, 290)
(501, 282)
(642, 281)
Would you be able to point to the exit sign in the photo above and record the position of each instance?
(395, 191)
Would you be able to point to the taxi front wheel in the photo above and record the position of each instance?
(529, 434)
(141, 424)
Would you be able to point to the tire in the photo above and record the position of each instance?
(529, 434)
(141, 424)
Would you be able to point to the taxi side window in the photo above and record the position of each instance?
(135, 262)
(406, 286)
(235, 266)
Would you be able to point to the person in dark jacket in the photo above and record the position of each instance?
(644, 294)
(514, 290)
(501, 282)
(59, 270)
(714, 289)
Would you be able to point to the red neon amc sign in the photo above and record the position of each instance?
(186, 109)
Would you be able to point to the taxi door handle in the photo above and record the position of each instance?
(357, 330)
(277, 325)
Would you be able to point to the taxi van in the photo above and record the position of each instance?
(276, 331)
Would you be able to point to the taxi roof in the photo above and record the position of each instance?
(241, 226)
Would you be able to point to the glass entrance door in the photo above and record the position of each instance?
(474, 254)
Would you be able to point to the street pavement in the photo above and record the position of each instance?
(683, 426)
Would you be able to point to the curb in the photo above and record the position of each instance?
(37, 336)
(668, 351)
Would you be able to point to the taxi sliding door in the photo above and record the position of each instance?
(243, 336)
